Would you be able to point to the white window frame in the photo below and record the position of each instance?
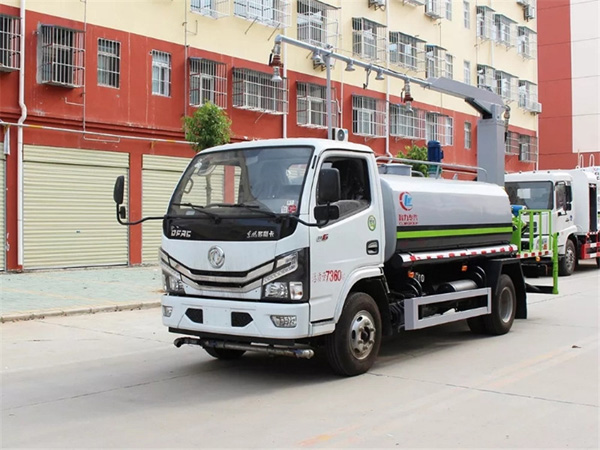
(486, 77)
(448, 9)
(506, 85)
(405, 122)
(109, 63)
(10, 43)
(368, 39)
(369, 117)
(526, 42)
(317, 23)
(527, 148)
(511, 144)
(61, 56)
(435, 61)
(406, 51)
(210, 8)
(433, 9)
(486, 28)
(468, 135)
(311, 106)
(467, 78)
(207, 82)
(439, 127)
(467, 14)
(256, 91)
(449, 66)
(528, 96)
(272, 13)
(504, 30)
(161, 73)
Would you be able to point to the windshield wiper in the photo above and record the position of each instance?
(201, 209)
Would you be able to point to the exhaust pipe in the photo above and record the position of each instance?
(300, 353)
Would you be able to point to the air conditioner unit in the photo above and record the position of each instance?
(536, 107)
(529, 12)
(339, 134)
(377, 3)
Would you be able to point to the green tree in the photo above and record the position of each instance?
(415, 153)
(209, 126)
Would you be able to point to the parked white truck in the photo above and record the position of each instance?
(573, 198)
(290, 245)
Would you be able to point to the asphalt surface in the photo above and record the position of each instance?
(37, 294)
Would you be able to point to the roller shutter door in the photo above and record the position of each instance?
(69, 212)
(159, 177)
(2, 207)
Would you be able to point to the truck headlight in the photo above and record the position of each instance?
(289, 277)
(172, 283)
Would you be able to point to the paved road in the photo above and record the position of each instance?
(115, 380)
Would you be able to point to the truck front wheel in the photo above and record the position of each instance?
(353, 347)
(566, 264)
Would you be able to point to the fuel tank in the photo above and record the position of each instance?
(425, 214)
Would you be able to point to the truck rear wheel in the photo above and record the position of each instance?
(224, 353)
(353, 347)
(566, 264)
(504, 307)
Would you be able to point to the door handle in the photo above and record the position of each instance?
(372, 247)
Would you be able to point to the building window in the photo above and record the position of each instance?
(505, 85)
(10, 42)
(448, 9)
(273, 13)
(467, 72)
(311, 106)
(406, 122)
(255, 91)
(449, 70)
(208, 82)
(468, 135)
(368, 39)
(161, 73)
(433, 8)
(317, 23)
(526, 42)
(512, 143)
(528, 96)
(61, 56)
(486, 77)
(467, 15)
(439, 128)
(368, 116)
(527, 148)
(485, 23)
(210, 8)
(109, 63)
(406, 51)
(435, 57)
(504, 27)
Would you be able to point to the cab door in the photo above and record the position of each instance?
(342, 248)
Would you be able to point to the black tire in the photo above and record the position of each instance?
(598, 263)
(224, 353)
(353, 347)
(476, 325)
(504, 307)
(566, 264)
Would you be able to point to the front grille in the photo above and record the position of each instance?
(240, 319)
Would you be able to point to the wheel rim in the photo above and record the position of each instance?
(570, 259)
(505, 305)
(362, 335)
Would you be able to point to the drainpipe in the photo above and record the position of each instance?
(387, 90)
(20, 141)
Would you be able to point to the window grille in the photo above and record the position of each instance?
(448, 9)
(485, 23)
(527, 95)
(433, 8)
(368, 116)
(273, 13)
(10, 43)
(511, 143)
(407, 122)
(109, 63)
(468, 135)
(161, 73)
(208, 82)
(504, 30)
(467, 15)
(368, 39)
(486, 77)
(61, 56)
(407, 51)
(255, 91)
(318, 23)
(526, 42)
(467, 72)
(449, 70)
(439, 127)
(527, 148)
(435, 60)
(506, 85)
(311, 106)
(210, 8)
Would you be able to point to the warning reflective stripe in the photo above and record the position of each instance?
(456, 232)
(407, 258)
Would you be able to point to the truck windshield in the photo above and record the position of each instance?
(253, 182)
(532, 194)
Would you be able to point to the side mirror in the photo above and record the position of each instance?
(328, 189)
(119, 188)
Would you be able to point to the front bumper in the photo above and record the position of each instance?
(235, 318)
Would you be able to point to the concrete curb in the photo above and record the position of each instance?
(77, 311)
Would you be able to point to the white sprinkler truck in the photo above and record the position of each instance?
(290, 245)
(573, 198)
